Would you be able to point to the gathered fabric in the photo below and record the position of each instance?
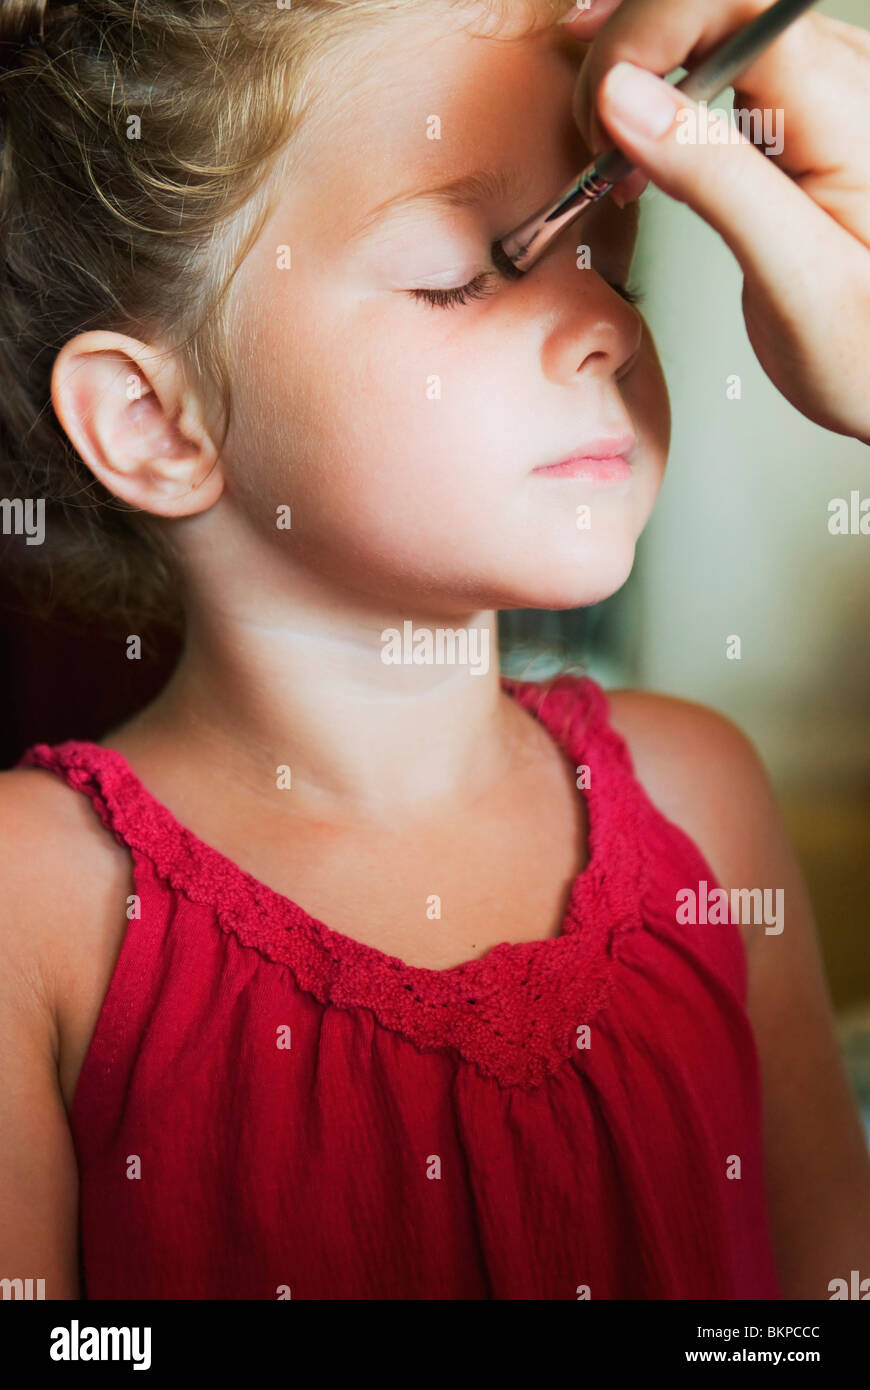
(573, 1117)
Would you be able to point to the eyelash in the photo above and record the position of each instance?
(480, 288)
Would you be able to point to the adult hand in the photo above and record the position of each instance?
(798, 221)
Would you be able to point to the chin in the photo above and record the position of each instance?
(561, 581)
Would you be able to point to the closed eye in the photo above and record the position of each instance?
(481, 287)
(478, 288)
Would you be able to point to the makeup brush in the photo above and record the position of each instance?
(516, 253)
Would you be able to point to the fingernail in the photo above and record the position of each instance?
(642, 100)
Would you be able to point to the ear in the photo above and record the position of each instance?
(130, 413)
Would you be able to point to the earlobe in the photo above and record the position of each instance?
(130, 414)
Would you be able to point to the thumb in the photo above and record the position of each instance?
(757, 209)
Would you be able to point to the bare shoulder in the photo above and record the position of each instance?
(667, 735)
(64, 884)
(56, 864)
(54, 844)
(706, 775)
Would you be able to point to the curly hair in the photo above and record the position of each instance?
(135, 144)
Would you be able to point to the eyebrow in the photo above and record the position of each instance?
(463, 192)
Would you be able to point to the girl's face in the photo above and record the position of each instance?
(405, 436)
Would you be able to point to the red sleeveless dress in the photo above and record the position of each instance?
(312, 1118)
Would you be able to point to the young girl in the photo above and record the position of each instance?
(347, 968)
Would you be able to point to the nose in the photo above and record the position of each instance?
(592, 330)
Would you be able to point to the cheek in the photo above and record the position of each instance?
(379, 428)
(402, 397)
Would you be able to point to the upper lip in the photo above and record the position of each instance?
(605, 447)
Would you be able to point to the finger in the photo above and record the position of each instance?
(778, 234)
(656, 36)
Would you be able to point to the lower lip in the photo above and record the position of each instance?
(613, 470)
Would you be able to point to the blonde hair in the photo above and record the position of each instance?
(142, 235)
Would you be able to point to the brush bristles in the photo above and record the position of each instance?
(503, 263)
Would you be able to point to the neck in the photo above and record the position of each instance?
(325, 690)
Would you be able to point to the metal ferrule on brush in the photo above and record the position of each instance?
(524, 246)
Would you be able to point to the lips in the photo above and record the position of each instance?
(616, 447)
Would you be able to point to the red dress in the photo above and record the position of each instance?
(577, 1116)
